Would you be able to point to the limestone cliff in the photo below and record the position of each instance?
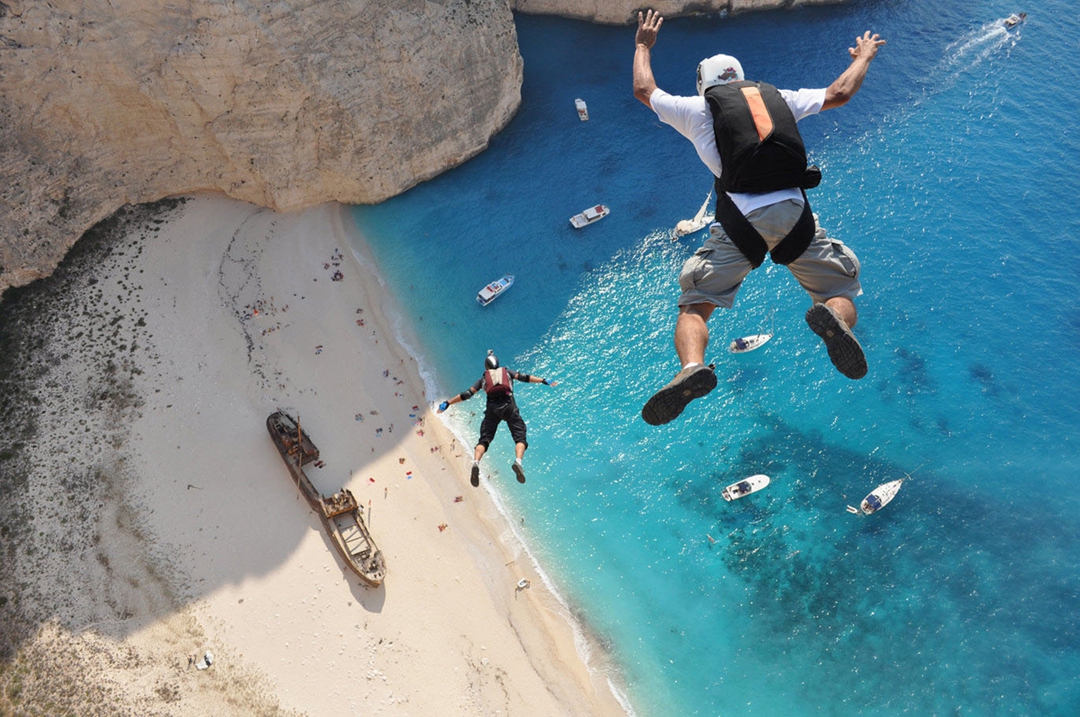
(619, 12)
(284, 103)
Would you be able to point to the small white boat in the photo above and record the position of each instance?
(1014, 19)
(495, 289)
(744, 344)
(745, 487)
(700, 220)
(878, 498)
(590, 215)
(582, 110)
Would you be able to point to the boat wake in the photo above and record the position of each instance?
(968, 52)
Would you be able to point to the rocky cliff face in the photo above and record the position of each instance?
(284, 103)
(619, 12)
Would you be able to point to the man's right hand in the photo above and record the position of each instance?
(866, 47)
(648, 27)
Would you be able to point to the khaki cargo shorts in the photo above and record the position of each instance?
(715, 272)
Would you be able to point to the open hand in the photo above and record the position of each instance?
(648, 27)
(865, 47)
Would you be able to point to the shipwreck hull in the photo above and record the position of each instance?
(339, 513)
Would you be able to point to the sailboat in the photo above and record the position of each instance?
(700, 220)
(744, 344)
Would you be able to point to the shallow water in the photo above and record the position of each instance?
(951, 175)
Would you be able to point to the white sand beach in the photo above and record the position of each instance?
(206, 544)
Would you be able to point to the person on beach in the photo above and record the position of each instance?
(746, 134)
(498, 384)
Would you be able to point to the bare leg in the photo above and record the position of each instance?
(692, 333)
(474, 474)
(845, 309)
(691, 340)
(519, 450)
(832, 322)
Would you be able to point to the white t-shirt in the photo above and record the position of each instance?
(691, 117)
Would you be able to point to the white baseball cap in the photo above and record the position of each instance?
(718, 70)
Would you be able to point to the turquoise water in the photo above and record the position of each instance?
(952, 175)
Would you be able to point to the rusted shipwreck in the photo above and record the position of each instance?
(340, 513)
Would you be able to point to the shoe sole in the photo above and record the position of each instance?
(519, 472)
(844, 350)
(475, 477)
(667, 403)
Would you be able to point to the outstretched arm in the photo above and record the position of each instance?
(847, 84)
(648, 28)
(464, 396)
(532, 379)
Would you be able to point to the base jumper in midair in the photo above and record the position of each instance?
(498, 384)
(746, 134)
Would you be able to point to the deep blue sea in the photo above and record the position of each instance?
(953, 175)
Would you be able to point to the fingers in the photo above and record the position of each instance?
(651, 20)
(867, 45)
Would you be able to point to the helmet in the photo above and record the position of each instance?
(718, 70)
(492, 361)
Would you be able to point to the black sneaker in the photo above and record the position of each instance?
(475, 477)
(844, 350)
(519, 472)
(667, 403)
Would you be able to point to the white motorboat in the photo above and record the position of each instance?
(582, 110)
(494, 290)
(878, 498)
(745, 487)
(590, 215)
(700, 220)
(1014, 19)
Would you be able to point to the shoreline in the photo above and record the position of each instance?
(498, 521)
(199, 542)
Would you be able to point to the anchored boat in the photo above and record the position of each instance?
(494, 290)
(340, 514)
(745, 487)
(700, 220)
(582, 110)
(755, 341)
(590, 215)
(878, 498)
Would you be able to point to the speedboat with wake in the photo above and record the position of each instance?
(1015, 19)
(878, 498)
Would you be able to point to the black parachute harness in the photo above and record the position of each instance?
(761, 150)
